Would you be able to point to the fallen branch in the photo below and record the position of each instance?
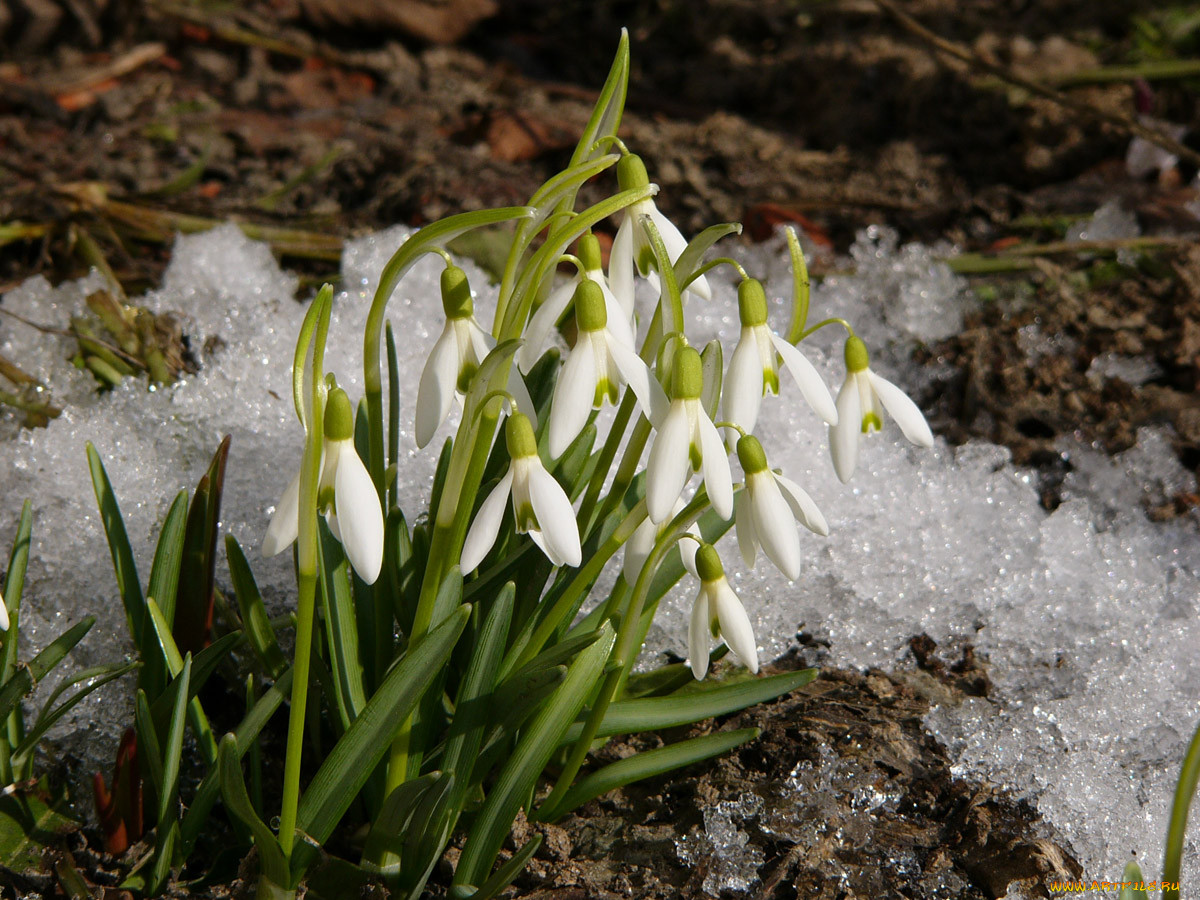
(1024, 256)
(1124, 123)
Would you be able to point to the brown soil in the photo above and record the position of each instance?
(828, 114)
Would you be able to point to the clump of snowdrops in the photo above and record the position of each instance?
(443, 677)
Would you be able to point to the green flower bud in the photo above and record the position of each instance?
(590, 312)
(708, 564)
(589, 252)
(687, 375)
(856, 354)
(339, 416)
(519, 436)
(456, 294)
(631, 172)
(751, 454)
(752, 303)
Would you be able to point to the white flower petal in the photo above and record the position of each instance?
(744, 523)
(331, 523)
(573, 395)
(698, 635)
(843, 437)
(359, 516)
(556, 518)
(676, 243)
(542, 322)
(811, 385)
(641, 381)
(743, 391)
(483, 531)
(903, 410)
(435, 393)
(516, 387)
(637, 551)
(803, 507)
(715, 459)
(687, 553)
(618, 322)
(620, 265)
(3, 615)
(774, 525)
(482, 343)
(668, 468)
(735, 624)
(284, 527)
(547, 549)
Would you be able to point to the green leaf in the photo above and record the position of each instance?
(175, 663)
(507, 873)
(23, 755)
(168, 556)
(351, 761)
(244, 736)
(515, 783)
(31, 819)
(191, 617)
(255, 623)
(237, 801)
(1135, 887)
(685, 707)
(440, 473)
(24, 679)
(449, 596)
(167, 829)
(341, 627)
(382, 851)
(12, 725)
(393, 366)
(472, 709)
(606, 114)
(710, 360)
(149, 749)
(118, 544)
(689, 259)
(650, 763)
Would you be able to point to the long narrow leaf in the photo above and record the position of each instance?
(168, 556)
(118, 544)
(341, 628)
(50, 714)
(255, 622)
(237, 801)
(606, 114)
(14, 584)
(656, 713)
(382, 851)
(351, 761)
(162, 631)
(512, 788)
(650, 763)
(26, 678)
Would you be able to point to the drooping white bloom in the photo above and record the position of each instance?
(594, 371)
(345, 495)
(455, 358)
(551, 310)
(641, 543)
(718, 613)
(3, 614)
(541, 507)
(754, 365)
(632, 248)
(767, 509)
(687, 441)
(860, 404)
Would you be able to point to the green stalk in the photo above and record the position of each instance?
(306, 552)
(800, 288)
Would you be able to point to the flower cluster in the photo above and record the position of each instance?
(678, 397)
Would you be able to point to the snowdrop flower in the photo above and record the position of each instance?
(860, 404)
(3, 614)
(541, 507)
(595, 370)
(718, 613)
(754, 367)
(767, 510)
(455, 358)
(345, 494)
(641, 544)
(632, 248)
(551, 310)
(687, 441)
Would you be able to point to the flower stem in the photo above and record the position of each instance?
(306, 607)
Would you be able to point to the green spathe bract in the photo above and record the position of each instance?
(432, 703)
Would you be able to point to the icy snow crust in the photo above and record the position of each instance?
(1088, 615)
